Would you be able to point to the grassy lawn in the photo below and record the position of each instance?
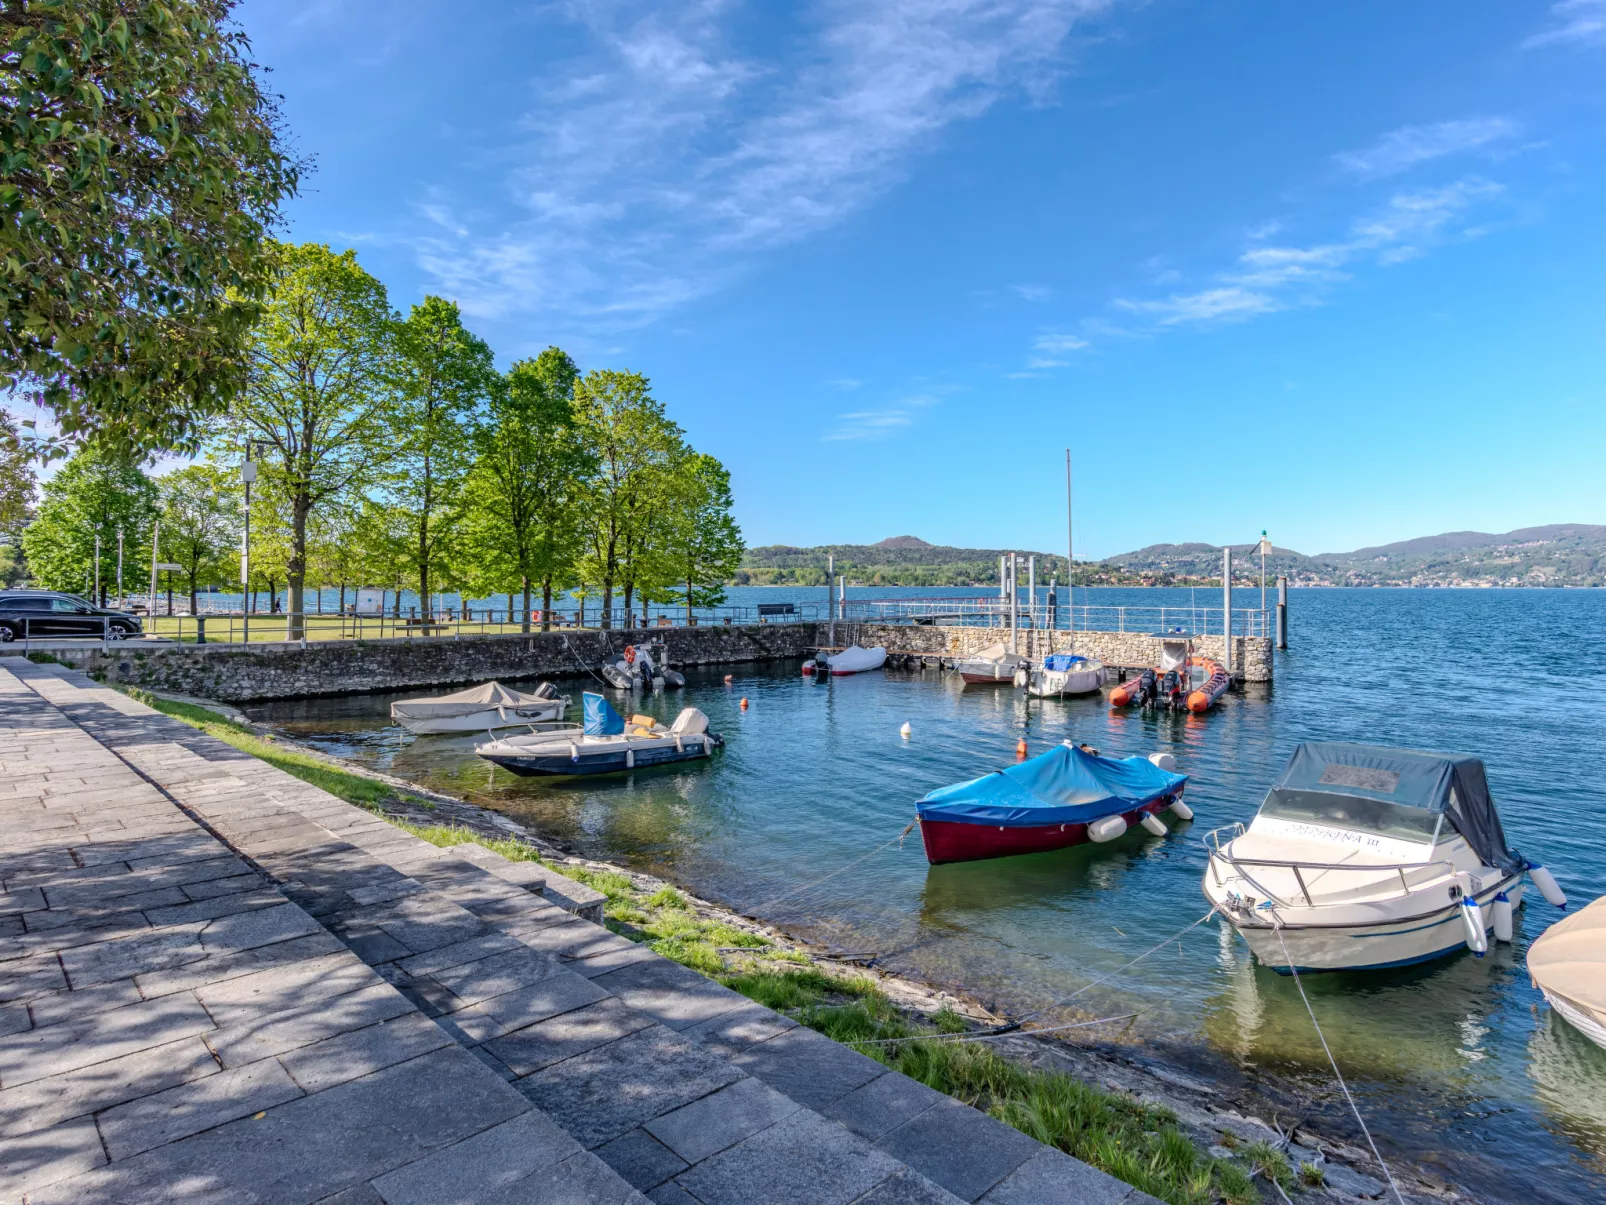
(1135, 1142)
(266, 629)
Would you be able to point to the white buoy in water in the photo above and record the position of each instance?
(906, 731)
(1477, 936)
(1181, 810)
(1500, 915)
(1548, 887)
(1164, 761)
(1107, 829)
(1154, 824)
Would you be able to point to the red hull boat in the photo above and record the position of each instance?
(951, 841)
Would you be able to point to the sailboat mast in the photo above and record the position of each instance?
(1070, 550)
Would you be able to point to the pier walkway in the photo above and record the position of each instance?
(221, 984)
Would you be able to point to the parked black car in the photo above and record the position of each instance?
(50, 614)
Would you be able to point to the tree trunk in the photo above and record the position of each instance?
(342, 598)
(607, 603)
(295, 625)
(689, 616)
(195, 607)
(526, 616)
(546, 603)
(630, 602)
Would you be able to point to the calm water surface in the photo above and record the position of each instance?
(1459, 1062)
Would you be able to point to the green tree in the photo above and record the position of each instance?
(321, 394)
(144, 171)
(447, 374)
(625, 428)
(99, 491)
(525, 494)
(16, 481)
(200, 513)
(702, 540)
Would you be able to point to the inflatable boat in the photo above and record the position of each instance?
(638, 669)
(607, 743)
(1183, 681)
(851, 660)
(1364, 857)
(1064, 797)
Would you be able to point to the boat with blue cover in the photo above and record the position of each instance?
(1064, 797)
(605, 744)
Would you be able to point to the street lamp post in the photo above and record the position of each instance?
(1265, 547)
(120, 564)
(95, 597)
(248, 474)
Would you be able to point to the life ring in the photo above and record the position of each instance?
(630, 654)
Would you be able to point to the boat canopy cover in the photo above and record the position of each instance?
(1569, 958)
(1436, 782)
(1063, 786)
(1060, 662)
(485, 697)
(600, 717)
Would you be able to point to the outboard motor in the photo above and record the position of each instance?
(1169, 689)
(1147, 689)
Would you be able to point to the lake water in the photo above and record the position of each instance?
(1458, 1064)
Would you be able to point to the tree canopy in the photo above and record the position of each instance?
(98, 492)
(144, 168)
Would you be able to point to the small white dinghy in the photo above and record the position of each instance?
(607, 743)
(856, 660)
(489, 705)
(1364, 857)
(993, 664)
(1568, 964)
(1065, 674)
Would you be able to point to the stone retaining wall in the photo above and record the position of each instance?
(241, 674)
(1252, 660)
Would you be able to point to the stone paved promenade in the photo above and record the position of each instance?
(220, 984)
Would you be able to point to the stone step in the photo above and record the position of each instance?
(172, 1027)
(678, 1083)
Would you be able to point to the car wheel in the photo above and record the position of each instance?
(116, 632)
(6, 635)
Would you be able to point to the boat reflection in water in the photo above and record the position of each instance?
(1569, 1080)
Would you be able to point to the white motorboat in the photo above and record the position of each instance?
(489, 705)
(1568, 964)
(1065, 674)
(993, 664)
(1364, 857)
(851, 660)
(606, 743)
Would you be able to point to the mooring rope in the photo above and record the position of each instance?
(1010, 1031)
(1111, 975)
(581, 662)
(1332, 1062)
(898, 840)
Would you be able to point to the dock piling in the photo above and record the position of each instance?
(1282, 612)
(1226, 609)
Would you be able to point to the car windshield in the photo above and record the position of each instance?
(1352, 812)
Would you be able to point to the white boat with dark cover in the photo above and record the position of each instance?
(488, 705)
(993, 664)
(605, 744)
(1568, 964)
(1364, 857)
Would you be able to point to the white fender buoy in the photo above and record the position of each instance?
(1181, 810)
(906, 731)
(1107, 829)
(1477, 936)
(630, 759)
(1500, 914)
(1548, 887)
(1164, 761)
(1154, 824)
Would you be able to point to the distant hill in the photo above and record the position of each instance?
(1559, 554)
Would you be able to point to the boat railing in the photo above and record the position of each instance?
(1213, 843)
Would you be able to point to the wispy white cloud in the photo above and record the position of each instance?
(1269, 278)
(667, 152)
(881, 422)
(847, 384)
(1572, 22)
(1033, 292)
(1404, 148)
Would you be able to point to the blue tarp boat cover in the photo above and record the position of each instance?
(601, 719)
(1438, 782)
(1060, 662)
(1063, 786)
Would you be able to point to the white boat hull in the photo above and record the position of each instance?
(1376, 945)
(1583, 1021)
(482, 721)
(1049, 683)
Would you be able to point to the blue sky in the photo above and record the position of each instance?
(1338, 271)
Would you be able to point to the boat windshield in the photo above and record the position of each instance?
(1354, 813)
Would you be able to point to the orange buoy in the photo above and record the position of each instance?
(744, 704)
(1020, 749)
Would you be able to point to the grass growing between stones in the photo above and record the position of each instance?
(353, 788)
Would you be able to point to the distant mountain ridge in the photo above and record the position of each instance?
(1556, 554)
